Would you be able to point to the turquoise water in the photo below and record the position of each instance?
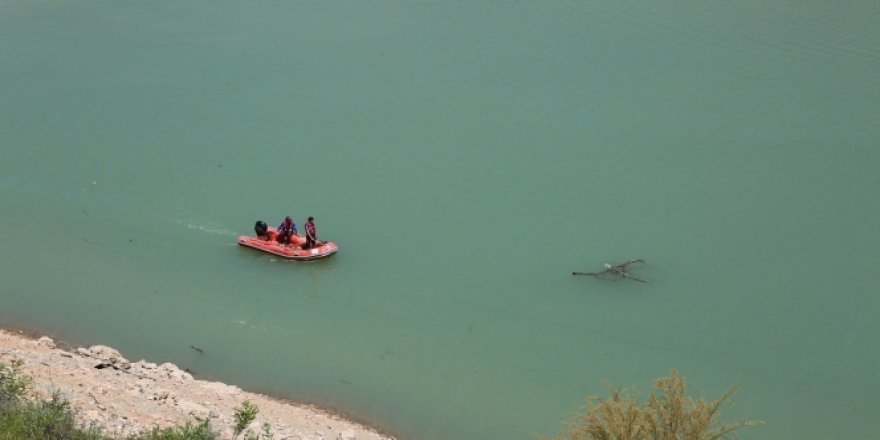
(466, 157)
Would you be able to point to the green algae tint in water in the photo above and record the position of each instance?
(466, 157)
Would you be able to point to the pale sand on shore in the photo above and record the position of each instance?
(129, 397)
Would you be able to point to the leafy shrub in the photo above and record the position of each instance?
(190, 431)
(244, 415)
(54, 419)
(668, 414)
(45, 419)
(13, 384)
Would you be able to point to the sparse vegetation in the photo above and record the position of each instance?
(38, 419)
(12, 383)
(244, 415)
(267, 431)
(190, 431)
(41, 419)
(44, 419)
(667, 414)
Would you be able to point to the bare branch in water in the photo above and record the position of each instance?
(617, 269)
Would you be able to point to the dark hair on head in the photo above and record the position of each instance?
(288, 218)
(311, 218)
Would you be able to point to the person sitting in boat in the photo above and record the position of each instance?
(311, 234)
(286, 229)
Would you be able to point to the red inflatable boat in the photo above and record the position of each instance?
(292, 251)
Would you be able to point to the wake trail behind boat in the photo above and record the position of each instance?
(199, 226)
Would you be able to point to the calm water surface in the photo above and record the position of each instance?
(466, 157)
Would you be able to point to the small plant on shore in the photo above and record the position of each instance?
(244, 415)
(43, 419)
(13, 384)
(667, 414)
(267, 432)
(32, 417)
(21, 418)
(190, 431)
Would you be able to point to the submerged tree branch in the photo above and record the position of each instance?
(620, 270)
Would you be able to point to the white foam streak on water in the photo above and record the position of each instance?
(199, 226)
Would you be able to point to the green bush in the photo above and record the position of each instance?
(45, 419)
(13, 384)
(244, 415)
(190, 431)
(54, 419)
(668, 414)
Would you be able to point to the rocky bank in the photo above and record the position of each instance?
(131, 397)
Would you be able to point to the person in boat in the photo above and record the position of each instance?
(286, 229)
(311, 234)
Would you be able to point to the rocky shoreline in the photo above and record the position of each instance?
(132, 397)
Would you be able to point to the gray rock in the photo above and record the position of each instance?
(146, 365)
(105, 352)
(109, 355)
(172, 372)
(46, 342)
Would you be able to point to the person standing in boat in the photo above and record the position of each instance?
(311, 233)
(286, 229)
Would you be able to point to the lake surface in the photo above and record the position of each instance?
(466, 157)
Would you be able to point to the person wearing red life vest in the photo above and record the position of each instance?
(311, 233)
